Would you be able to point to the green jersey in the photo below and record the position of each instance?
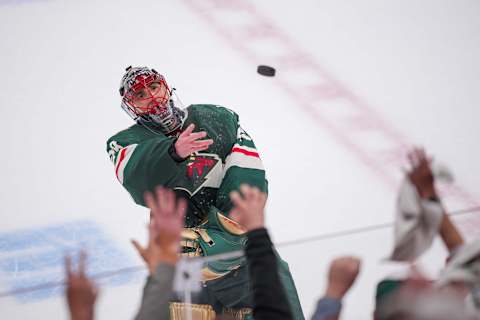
(142, 161)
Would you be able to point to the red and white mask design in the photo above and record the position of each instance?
(147, 99)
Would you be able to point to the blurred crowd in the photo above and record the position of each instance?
(420, 217)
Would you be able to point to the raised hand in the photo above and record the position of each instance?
(81, 292)
(164, 230)
(249, 209)
(168, 216)
(341, 276)
(189, 142)
(421, 174)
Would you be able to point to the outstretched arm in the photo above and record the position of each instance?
(161, 252)
(143, 163)
(341, 276)
(81, 292)
(269, 297)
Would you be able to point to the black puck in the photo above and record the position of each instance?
(266, 71)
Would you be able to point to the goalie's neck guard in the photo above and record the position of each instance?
(169, 126)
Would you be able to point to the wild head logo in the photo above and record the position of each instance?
(204, 170)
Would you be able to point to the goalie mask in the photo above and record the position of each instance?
(147, 98)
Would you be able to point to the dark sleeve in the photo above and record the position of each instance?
(269, 298)
(327, 308)
(156, 294)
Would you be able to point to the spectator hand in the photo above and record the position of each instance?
(166, 224)
(341, 276)
(81, 292)
(189, 142)
(249, 209)
(421, 174)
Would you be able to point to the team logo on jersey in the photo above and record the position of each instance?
(204, 170)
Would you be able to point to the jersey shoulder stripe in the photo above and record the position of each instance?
(243, 157)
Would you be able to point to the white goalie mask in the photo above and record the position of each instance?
(147, 99)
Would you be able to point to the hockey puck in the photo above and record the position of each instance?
(266, 71)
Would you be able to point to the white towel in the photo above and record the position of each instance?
(417, 221)
(464, 266)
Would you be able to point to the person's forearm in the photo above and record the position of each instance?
(156, 294)
(84, 314)
(270, 300)
(450, 235)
